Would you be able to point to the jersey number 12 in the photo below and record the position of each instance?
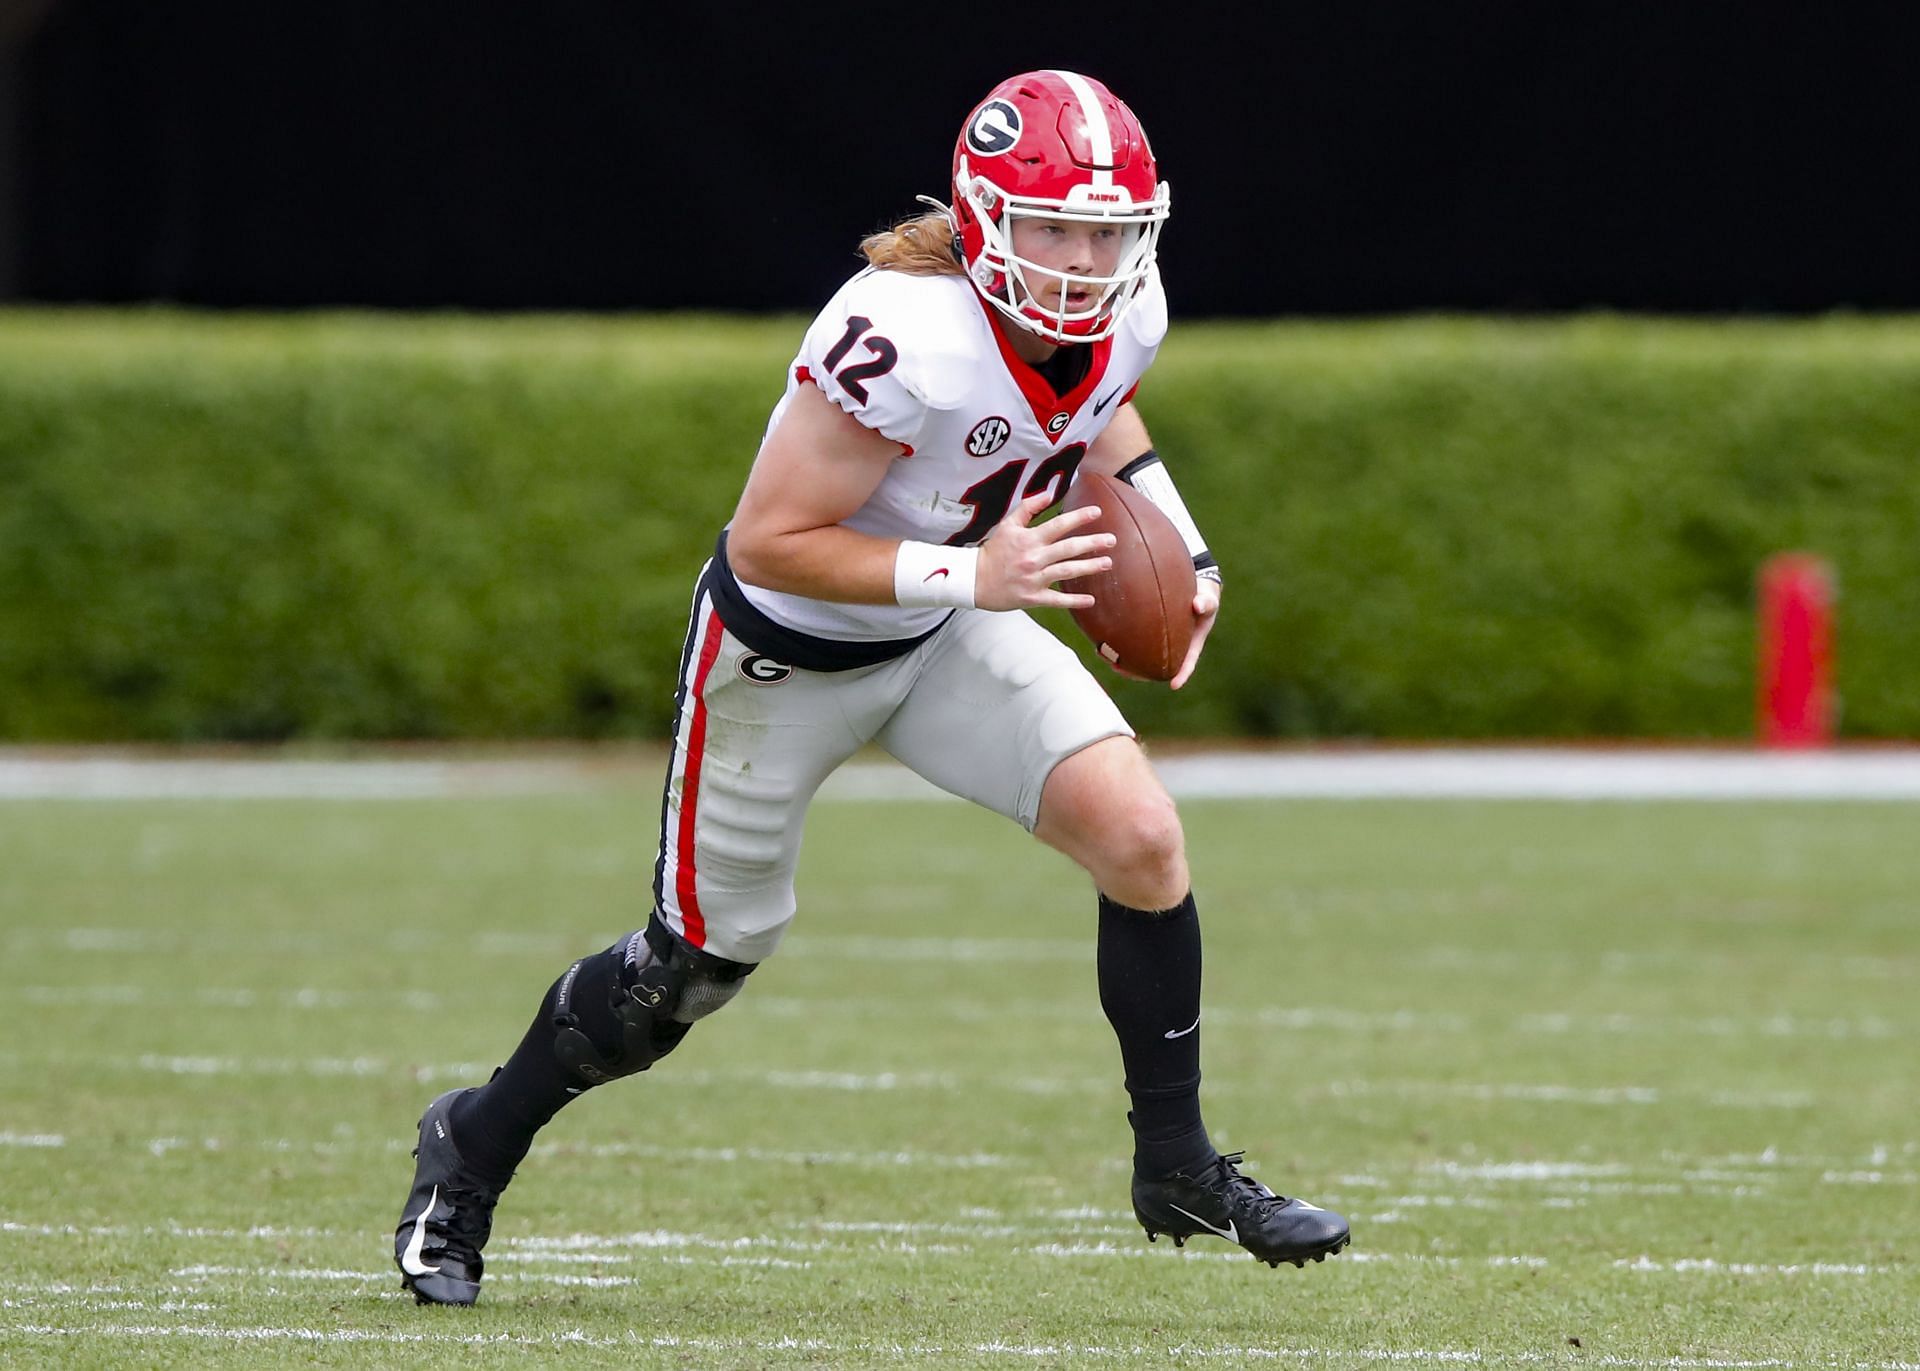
(992, 496)
(853, 379)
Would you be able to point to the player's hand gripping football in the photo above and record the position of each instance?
(1020, 563)
(1206, 607)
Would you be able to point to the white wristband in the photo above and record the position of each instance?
(1153, 480)
(928, 574)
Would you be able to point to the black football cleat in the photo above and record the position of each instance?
(447, 1217)
(1217, 1199)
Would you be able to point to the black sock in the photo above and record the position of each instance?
(494, 1126)
(1149, 968)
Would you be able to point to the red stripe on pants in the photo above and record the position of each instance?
(693, 926)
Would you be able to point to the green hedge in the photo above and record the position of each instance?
(350, 526)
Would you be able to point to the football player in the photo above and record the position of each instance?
(866, 591)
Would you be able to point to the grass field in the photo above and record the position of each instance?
(1620, 1085)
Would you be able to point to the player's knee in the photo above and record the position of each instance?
(1160, 851)
(620, 1011)
(1149, 841)
(1140, 860)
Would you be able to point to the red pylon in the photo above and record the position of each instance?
(1796, 706)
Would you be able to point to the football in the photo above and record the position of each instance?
(1142, 614)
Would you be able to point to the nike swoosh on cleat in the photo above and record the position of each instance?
(1181, 1034)
(410, 1259)
(1314, 1207)
(1231, 1232)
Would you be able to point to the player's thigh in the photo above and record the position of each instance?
(753, 740)
(997, 703)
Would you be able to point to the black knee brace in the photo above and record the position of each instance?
(622, 1010)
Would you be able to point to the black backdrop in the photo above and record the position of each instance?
(1327, 157)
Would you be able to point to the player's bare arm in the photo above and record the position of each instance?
(816, 468)
(820, 465)
(1119, 444)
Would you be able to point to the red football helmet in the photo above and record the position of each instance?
(1055, 145)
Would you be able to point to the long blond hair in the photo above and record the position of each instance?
(921, 246)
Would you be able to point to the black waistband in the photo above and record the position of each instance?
(807, 651)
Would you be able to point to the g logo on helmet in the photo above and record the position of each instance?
(994, 129)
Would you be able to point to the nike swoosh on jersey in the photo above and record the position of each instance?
(1231, 1233)
(410, 1259)
(1109, 400)
(1181, 1033)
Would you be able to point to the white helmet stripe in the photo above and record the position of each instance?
(1097, 131)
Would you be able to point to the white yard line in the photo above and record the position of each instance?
(265, 1232)
(921, 1352)
(938, 1082)
(1762, 1177)
(1443, 773)
(904, 1157)
(1297, 1019)
(805, 1240)
(1771, 1026)
(1710, 1266)
(89, 775)
(647, 1247)
(1871, 1178)
(1550, 774)
(97, 1306)
(1489, 773)
(1555, 1093)
(148, 940)
(1529, 1170)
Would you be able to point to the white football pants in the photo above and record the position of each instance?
(984, 709)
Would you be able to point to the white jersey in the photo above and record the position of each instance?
(919, 360)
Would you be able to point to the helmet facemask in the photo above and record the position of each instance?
(1002, 275)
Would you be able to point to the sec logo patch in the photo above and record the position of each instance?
(988, 437)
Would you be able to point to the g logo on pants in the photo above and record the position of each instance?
(763, 670)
